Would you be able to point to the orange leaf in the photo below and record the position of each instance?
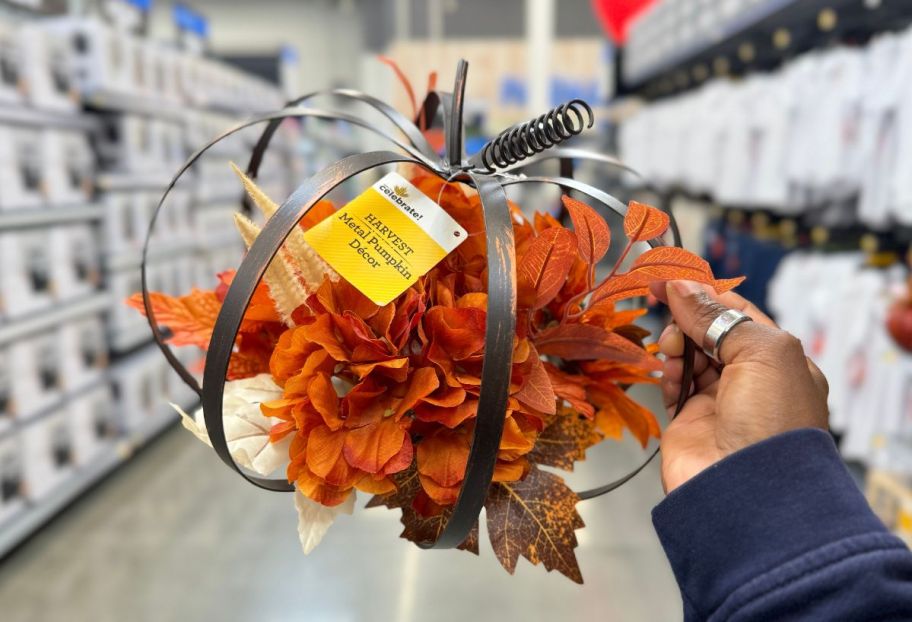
(536, 391)
(190, 318)
(544, 267)
(592, 234)
(571, 388)
(723, 285)
(575, 342)
(643, 222)
(544, 221)
(611, 424)
(669, 263)
(619, 287)
(617, 406)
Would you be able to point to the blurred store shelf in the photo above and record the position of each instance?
(56, 316)
(21, 219)
(23, 115)
(677, 46)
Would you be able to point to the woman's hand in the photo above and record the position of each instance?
(767, 386)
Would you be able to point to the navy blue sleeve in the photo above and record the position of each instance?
(779, 531)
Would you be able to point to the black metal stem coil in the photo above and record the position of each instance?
(528, 139)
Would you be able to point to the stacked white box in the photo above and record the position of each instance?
(12, 499)
(100, 57)
(47, 447)
(10, 66)
(84, 352)
(68, 165)
(38, 384)
(140, 387)
(94, 422)
(21, 168)
(26, 280)
(75, 266)
(46, 70)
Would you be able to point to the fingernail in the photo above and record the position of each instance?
(671, 329)
(686, 288)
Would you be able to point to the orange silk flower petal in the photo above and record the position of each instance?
(443, 457)
(424, 381)
(369, 448)
(323, 398)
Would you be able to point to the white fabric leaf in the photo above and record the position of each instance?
(315, 519)
(246, 427)
(195, 424)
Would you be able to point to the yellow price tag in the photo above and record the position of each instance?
(386, 238)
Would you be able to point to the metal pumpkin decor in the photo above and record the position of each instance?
(512, 379)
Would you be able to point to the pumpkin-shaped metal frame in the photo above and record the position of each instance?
(501, 284)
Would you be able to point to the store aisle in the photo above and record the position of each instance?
(175, 536)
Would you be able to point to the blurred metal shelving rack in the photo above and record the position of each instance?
(760, 36)
(137, 376)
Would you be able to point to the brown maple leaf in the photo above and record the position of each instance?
(422, 519)
(565, 441)
(424, 528)
(535, 518)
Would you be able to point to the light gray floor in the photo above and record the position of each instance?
(175, 536)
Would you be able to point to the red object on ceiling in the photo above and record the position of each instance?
(616, 16)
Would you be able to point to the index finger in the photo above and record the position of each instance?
(728, 299)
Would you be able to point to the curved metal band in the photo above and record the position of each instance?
(500, 329)
(572, 153)
(569, 154)
(414, 135)
(249, 275)
(455, 135)
(287, 113)
(690, 350)
(497, 366)
(689, 346)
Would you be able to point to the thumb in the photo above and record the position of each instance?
(694, 307)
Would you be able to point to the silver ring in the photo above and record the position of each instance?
(719, 329)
